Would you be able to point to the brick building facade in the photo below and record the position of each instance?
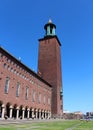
(26, 94)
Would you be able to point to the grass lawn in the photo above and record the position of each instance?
(85, 126)
(52, 125)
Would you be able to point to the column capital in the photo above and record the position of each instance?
(39, 110)
(32, 109)
(36, 110)
(11, 107)
(23, 109)
(17, 108)
(3, 105)
(28, 109)
(43, 111)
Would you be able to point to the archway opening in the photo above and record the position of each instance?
(26, 112)
(7, 112)
(14, 111)
(20, 111)
(1, 108)
(30, 114)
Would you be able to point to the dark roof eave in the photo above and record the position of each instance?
(49, 37)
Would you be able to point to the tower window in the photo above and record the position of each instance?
(7, 84)
(61, 107)
(50, 30)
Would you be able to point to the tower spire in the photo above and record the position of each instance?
(49, 21)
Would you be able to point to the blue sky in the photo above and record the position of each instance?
(21, 25)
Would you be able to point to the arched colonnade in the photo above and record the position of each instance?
(21, 112)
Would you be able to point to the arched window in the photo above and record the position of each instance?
(26, 94)
(17, 89)
(5, 66)
(7, 84)
(33, 96)
(44, 99)
(48, 101)
(39, 98)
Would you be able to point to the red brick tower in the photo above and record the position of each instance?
(49, 66)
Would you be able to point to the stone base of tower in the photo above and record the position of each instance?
(57, 116)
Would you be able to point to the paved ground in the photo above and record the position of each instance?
(13, 121)
(19, 122)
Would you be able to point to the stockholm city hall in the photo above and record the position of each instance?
(26, 94)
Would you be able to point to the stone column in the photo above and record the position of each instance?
(49, 114)
(46, 114)
(23, 112)
(17, 113)
(11, 112)
(43, 114)
(39, 114)
(32, 113)
(3, 110)
(28, 113)
(36, 113)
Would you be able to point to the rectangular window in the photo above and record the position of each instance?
(44, 99)
(48, 101)
(7, 84)
(33, 96)
(26, 95)
(60, 97)
(17, 89)
(39, 98)
(61, 107)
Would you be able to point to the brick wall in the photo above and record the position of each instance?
(49, 66)
(18, 72)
